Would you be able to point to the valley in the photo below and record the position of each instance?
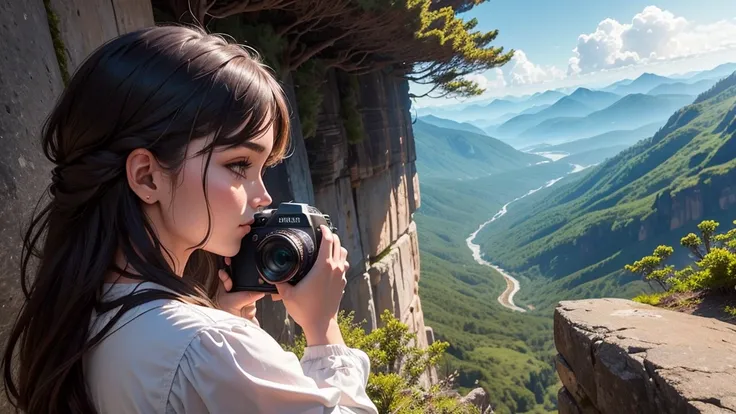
(543, 220)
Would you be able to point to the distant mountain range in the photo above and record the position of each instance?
(495, 109)
(446, 123)
(608, 139)
(630, 112)
(578, 104)
(489, 115)
(642, 84)
(683, 88)
(573, 241)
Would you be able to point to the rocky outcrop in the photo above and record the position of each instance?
(480, 399)
(618, 356)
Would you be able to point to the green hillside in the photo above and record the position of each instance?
(575, 240)
(508, 353)
(462, 155)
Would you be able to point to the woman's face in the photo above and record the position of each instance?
(235, 191)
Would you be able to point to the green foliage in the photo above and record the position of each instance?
(422, 40)
(381, 255)
(715, 267)
(396, 367)
(452, 36)
(651, 266)
(650, 299)
(59, 48)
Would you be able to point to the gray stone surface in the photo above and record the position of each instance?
(430, 335)
(630, 357)
(30, 81)
(383, 208)
(132, 14)
(393, 281)
(565, 403)
(479, 398)
(359, 299)
(328, 149)
(337, 201)
(583, 404)
(84, 25)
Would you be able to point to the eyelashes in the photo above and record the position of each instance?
(240, 167)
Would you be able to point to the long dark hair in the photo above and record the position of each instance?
(157, 88)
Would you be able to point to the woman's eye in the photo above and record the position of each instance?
(239, 167)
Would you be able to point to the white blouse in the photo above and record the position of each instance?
(170, 357)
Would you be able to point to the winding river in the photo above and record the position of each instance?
(506, 299)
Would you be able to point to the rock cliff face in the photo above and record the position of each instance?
(618, 356)
(370, 188)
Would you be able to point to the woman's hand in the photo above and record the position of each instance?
(241, 304)
(315, 301)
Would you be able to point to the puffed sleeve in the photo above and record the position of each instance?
(242, 369)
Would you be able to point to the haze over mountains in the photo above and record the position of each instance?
(583, 183)
(553, 117)
(574, 240)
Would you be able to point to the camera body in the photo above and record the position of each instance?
(281, 247)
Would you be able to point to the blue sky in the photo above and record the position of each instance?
(614, 40)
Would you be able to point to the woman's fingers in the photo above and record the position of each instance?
(227, 283)
(336, 253)
(344, 254)
(325, 250)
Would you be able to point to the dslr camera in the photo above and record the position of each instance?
(281, 247)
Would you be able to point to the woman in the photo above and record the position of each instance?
(159, 142)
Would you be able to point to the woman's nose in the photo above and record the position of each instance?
(262, 198)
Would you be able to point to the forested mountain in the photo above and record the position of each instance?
(456, 154)
(575, 239)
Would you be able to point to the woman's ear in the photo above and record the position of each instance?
(142, 172)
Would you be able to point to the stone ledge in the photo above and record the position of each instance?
(626, 357)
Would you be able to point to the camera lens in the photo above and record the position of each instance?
(279, 259)
(283, 253)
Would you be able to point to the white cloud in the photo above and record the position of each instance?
(653, 35)
(522, 71)
(492, 79)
